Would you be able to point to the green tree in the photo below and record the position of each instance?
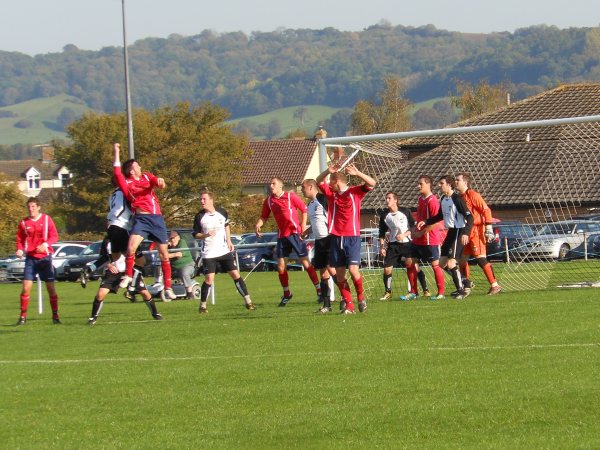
(301, 114)
(474, 100)
(189, 147)
(12, 204)
(387, 114)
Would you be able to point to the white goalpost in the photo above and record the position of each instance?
(541, 173)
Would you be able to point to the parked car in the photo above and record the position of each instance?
(62, 252)
(73, 267)
(4, 262)
(505, 235)
(251, 250)
(558, 240)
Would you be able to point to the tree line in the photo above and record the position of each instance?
(263, 71)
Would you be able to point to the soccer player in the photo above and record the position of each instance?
(398, 223)
(426, 242)
(285, 206)
(110, 284)
(344, 228)
(481, 233)
(211, 225)
(459, 222)
(317, 213)
(35, 235)
(148, 221)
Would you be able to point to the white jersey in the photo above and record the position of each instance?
(119, 213)
(452, 211)
(317, 213)
(396, 223)
(205, 222)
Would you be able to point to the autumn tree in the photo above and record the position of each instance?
(389, 113)
(190, 147)
(12, 204)
(481, 98)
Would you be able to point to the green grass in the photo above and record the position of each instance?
(518, 370)
(42, 112)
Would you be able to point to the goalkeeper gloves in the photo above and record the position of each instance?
(489, 233)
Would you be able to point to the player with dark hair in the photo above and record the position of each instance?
(211, 225)
(317, 210)
(425, 245)
(480, 234)
(344, 227)
(148, 221)
(36, 234)
(398, 223)
(285, 206)
(459, 222)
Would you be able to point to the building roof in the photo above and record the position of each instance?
(287, 159)
(514, 167)
(16, 169)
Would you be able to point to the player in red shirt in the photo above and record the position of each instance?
(426, 242)
(285, 206)
(138, 188)
(344, 226)
(35, 236)
(481, 233)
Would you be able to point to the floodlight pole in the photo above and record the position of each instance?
(127, 90)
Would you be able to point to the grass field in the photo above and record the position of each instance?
(518, 371)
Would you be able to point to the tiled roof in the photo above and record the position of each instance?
(510, 168)
(15, 169)
(287, 159)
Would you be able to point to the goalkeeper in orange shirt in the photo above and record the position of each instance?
(481, 233)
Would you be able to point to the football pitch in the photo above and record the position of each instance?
(517, 370)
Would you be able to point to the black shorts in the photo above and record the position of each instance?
(426, 253)
(322, 250)
(452, 247)
(111, 282)
(395, 252)
(119, 237)
(225, 263)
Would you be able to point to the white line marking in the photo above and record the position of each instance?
(300, 355)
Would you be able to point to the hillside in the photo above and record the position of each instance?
(261, 72)
(38, 121)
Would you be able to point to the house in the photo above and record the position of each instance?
(537, 174)
(292, 160)
(37, 177)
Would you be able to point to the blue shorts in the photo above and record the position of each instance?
(345, 251)
(286, 245)
(42, 267)
(150, 226)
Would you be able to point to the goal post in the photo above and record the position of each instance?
(541, 173)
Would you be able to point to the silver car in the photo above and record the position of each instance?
(62, 251)
(562, 240)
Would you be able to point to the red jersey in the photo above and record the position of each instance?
(33, 233)
(285, 212)
(344, 209)
(428, 207)
(482, 214)
(140, 193)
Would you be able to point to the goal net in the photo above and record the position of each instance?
(541, 180)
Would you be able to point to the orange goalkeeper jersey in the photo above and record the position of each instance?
(482, 214)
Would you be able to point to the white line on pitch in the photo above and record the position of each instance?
(302, 354)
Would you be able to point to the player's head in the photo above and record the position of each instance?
(131, 168)
(33, 206)
(276, 186)
(338, 181)
(310, 188)
(446, 184)
(424, 183)
(462, 182)
(391, 200)
(207, 199)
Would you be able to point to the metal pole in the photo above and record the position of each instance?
(127, 91)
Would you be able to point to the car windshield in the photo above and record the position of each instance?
(92, 249)
(516, 230)
(556, 228)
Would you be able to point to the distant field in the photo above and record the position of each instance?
(517, 370)
(42, 113)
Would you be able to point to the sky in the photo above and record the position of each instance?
(41, 26)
